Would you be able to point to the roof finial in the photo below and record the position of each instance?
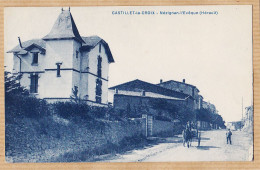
(69, 8)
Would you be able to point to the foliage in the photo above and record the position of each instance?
(25, 106)
(74, 97)
(168, 111)
(207, 116)
(18, 103)
(70, 110)
(12, 85)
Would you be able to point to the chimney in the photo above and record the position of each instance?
(161, 80)
(20, 42)
(183, 80)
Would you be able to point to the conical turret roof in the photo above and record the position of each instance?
(64, 27)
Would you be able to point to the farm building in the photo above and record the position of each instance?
(139, 94)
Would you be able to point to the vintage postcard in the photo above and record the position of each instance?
(128, 84)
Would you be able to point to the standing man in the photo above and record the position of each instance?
(228, 135)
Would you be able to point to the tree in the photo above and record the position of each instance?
(207, 116)
(74, 97)
(18, 102)
(169, 111)
(13, 86)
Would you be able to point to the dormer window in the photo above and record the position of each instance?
(35, 58)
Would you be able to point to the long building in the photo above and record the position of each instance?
(137, 93)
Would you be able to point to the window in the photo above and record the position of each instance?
(143, 93)
(77, 54)
(99, 66)
(98, 90)
(58, 69)
(34, 58)
(99, 48)
(34, 83)
(98, 99)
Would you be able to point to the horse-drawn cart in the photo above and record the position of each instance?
(189, 135)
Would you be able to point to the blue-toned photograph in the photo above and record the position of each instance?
(128, 84)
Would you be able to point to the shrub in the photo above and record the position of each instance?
(30, 107)
(72, 111)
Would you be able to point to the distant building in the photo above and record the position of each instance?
(248, 118)
(63, 60)
(133, 94)
(234, 125)
(185, 88)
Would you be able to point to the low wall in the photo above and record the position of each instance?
(165, 129)
(30, 140)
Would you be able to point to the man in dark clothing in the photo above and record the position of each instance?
(228, 134)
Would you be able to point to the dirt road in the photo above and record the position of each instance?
(213, 148)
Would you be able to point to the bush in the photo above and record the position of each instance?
(70, 110)
(30, 107)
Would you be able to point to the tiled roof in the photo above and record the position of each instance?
(28, 43)
(137, 85)
(92, 41)
(64, 27)
(167, 82)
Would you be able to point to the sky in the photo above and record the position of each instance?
(211, 51)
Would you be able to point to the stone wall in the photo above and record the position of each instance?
(29, 140)
(163, 128)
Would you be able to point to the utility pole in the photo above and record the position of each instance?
(242, 114)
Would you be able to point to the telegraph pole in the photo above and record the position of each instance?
(242, 114)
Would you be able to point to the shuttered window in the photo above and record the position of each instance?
(99, 66)
(58, 69)
(98, 90)
(34, 83)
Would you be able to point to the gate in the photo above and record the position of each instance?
(148, 125)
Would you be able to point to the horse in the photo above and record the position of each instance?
(187, 137)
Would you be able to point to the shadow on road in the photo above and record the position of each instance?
(157, 140)
(205, 138)
(206, 147)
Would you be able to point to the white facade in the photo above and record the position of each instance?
(65, 61)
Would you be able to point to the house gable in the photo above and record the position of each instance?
(92, 41)
(34, 48)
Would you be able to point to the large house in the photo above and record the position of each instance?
(185, 88)
(64, 61)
